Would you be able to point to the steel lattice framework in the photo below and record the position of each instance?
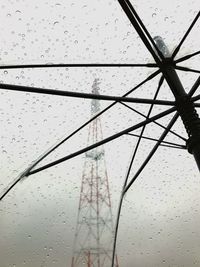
(94, 230)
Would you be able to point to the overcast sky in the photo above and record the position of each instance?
(159, 225)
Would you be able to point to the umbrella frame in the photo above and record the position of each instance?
(184, 103)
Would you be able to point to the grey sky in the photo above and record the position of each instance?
(160, 218)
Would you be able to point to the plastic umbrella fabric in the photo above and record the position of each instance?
(51, 53)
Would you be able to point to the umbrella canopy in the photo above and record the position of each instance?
(52, 51)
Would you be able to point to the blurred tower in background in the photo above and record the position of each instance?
(94, 230)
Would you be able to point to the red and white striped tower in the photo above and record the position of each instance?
(94, 230)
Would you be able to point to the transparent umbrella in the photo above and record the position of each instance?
(145, 55)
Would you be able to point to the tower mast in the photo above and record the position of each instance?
(94, 229)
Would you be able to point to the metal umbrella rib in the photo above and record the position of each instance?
(163, 143)
(37, 90)
(187, 57)
(186, 69)
(78, 65)
(173, 120)
(126, 6)
(155, 122)
(185, 35)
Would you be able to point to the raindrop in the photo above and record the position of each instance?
(29, 236)
(166, 18)
(5, 72)
(18, 11)
(153, 15)
(8, 15)
(55, 23)
(65, 32)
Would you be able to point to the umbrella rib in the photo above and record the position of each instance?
(130, 166)
(129, 12)
(150, 77)
(143, 128)
(185, 35)
(9, 188)
(144, 29)
(163, 143)
(125, 187)
(83, 95)
(78, 65)
(155, 122)
(187, 57)
(164, 134)
(195, 98)
(102, 142)
(116, 229)
(194, 87)
(186, 69)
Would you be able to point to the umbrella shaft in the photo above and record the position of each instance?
(196, 153)
(185, 108)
